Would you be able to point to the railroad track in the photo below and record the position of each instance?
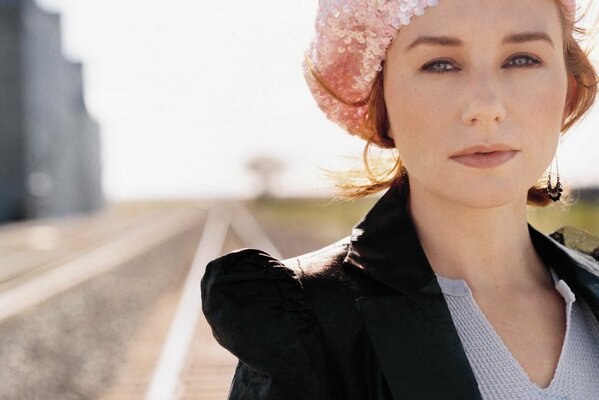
(30, 277)
(173, 354)
(192, 365)
(170, 353)
(72, 290)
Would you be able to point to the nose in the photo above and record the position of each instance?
(483, 103)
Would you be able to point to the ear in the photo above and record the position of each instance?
(571, 96)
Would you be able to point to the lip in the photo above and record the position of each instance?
(483, 149)
(486, 160)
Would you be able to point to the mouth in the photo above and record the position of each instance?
(485, 159)
(484, 149)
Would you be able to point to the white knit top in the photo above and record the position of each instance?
(497, 372)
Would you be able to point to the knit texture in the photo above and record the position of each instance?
(497, 372)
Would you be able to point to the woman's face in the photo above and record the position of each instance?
(496, 77)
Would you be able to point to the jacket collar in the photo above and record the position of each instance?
(413, 334)
(386, 239)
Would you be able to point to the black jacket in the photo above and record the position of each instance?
(363, 318)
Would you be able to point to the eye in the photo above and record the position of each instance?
(437, 67)
(442, 66)
(524, 60)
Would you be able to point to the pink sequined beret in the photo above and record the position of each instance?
(350, 43)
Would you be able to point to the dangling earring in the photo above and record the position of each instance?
(554, 192)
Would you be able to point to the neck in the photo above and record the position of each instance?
(490, 248)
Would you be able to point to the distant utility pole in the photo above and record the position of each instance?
(265, 168)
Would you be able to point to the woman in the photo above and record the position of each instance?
(443, 290)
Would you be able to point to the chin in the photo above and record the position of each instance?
(480, 192)
(485, 196)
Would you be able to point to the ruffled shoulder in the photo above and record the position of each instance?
(584, 243)
(578, 239)
(257, 310)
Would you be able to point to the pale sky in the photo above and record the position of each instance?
(186, 91)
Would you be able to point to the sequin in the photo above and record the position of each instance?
(350, 43)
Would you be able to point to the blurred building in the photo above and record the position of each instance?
(589, 194)
(50, 163)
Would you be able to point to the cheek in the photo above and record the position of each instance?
(540, 104)
(537, 109)
(417, 117)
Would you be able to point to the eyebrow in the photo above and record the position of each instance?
(455, 42)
